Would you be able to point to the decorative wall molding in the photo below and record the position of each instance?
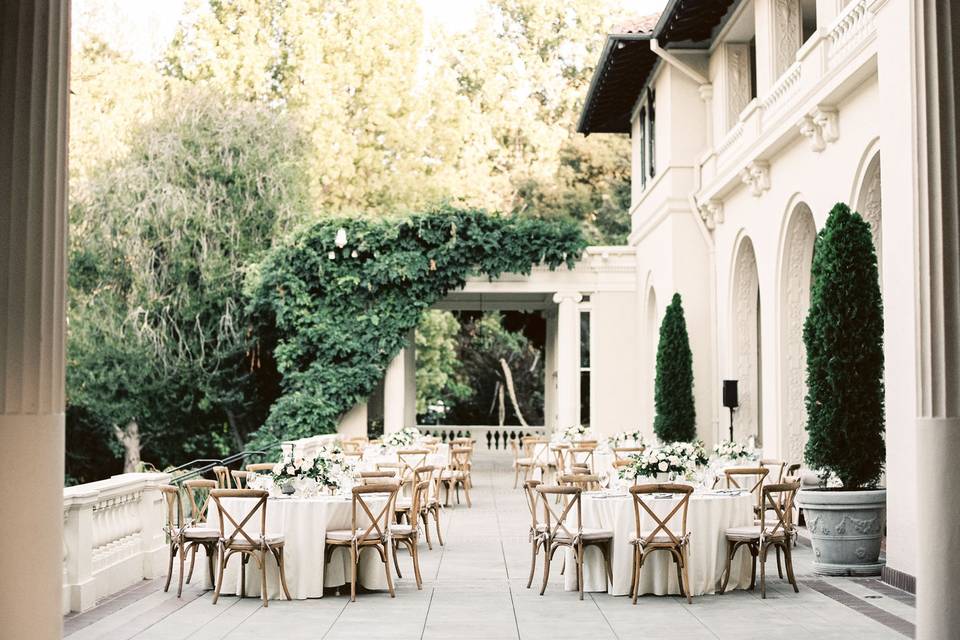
(745, 289)
(821, 127)
(737, 67)
(787, 33)
(712, 213)
(756, 175)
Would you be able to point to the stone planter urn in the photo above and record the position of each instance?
(845, 529)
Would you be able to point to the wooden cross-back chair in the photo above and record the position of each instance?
(585, 481)
(240, 478)
(408, 534)
(260, 467)
(624, 453)
(778, 533)
(359, 537)
(535, 454)
(537, 529)
(184, 536)
(458, 475)
(222, 475)
(662, 536)
(753, 479)
(559, 533)
(411, 459)
(411, 476)
(580, 459)
(254, 543)
(376, 477)
(774, 469)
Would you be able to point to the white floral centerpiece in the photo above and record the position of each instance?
(733, 451)
(573, 434)
(626, 439)
(328, 470)
(666, 462)
(402, 438)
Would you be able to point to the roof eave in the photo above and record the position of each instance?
(608, 47)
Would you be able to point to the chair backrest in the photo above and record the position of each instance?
(793, 471)
(222, 474)
(624, 453)
(622, 462)
(778, 498)
(460, 458)
(556, 522)
(751, 477)
(395, 467)
(240, 478)
(642, 503)
(379, 523)
(174, 509)
(581, 456)
(530, 493)
(412, 459)
(775, 469)
(260, 467)
(586, 444)
(421, 491)
(198, 509)
(240, 529)
(351, 446)
(536, 448)
(586, 481)
(376, 477)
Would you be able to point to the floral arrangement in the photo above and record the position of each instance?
(328, 468)
(626, 438)
(679, 459)
(402, 438)
(574, 433)
(729, 450)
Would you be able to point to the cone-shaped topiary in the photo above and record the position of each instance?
(843, 334)
(673, 395)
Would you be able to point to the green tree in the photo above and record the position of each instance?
(843, 334)
(439, 371)
(676, 419)
(160, 348)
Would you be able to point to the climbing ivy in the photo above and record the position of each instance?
(334, 316)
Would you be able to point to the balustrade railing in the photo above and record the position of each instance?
(113, 536)
(491, 438)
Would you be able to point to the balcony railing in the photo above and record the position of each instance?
(113, 536)
(491, 438)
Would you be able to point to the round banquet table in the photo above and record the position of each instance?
(304, 523)
(708, 516)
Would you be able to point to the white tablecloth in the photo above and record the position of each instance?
(707, 517)
(304, 523)
(374, 455)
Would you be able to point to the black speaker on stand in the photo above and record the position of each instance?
(730, 400)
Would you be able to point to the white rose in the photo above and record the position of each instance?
(663, 466)
(278, 468)
(290, 470)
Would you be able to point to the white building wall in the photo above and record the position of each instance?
(614, 388)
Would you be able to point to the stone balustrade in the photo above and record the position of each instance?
(492, 438)
(112, 536)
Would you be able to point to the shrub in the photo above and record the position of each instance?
(843, 334)
(673, 395)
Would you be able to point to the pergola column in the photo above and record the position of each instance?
(34, 78)
(400, 389)
(568, 359)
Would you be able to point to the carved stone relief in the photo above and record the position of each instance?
(869, 205)
(746, 286)
(787, 33)
(738, 81)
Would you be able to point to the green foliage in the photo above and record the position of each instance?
(335, 317)
(160, 240)
(673, 396)
(843, 334)
(439, 372)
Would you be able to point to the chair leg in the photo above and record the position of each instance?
(426, 528)
(779, 566)
(534, 546)
(182, 552)
(354, 559)
(415, 553)
(608, 556)
(677, 561)
(684, 557)
(731, 550)
(633, 575)
(762, 556)
(263, 578)
(244, 559)
(216, 588)
(386, 566)
(436, 516)
(580, 568)
(211, 551)
(788, 560)
(283, 573)
(753, 566)
(193, 558)
(396, 563)
(547, 555)
(173, 552)
(466, 492)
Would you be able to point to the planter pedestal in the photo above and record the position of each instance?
(846, 528)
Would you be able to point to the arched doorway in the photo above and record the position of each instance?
(796, 257)
(746, 357)
(868, 202)
(652, 340)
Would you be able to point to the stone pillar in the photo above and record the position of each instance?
(354, 422)
(568, 359)
(779, 35)
(400, 390)
(936, 30)
(34, 78)
(550, 373)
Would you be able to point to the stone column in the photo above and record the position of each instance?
(400, 390)
(568, 359)
(34, 78)
(936, 29)
(550, 372)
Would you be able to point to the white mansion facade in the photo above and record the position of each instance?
(749, 120)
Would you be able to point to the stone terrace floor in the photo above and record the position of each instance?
(474, 587)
